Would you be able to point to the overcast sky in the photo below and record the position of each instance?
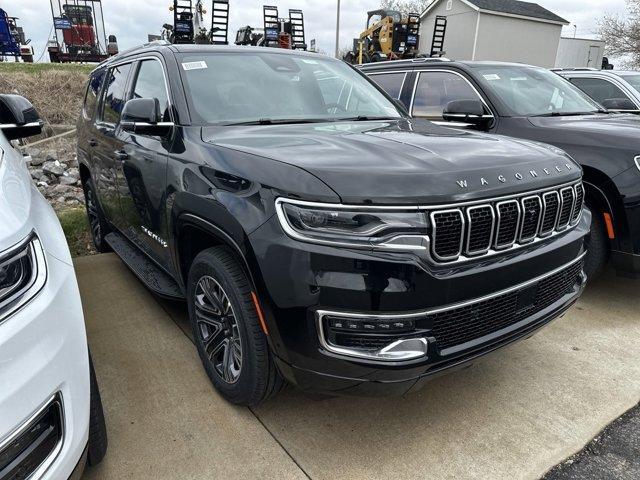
(132, 20)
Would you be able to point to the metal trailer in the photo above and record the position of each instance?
(12, 39)
(277, 32)
(580, 53)
(79, 32)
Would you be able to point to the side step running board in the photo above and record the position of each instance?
(151, 275)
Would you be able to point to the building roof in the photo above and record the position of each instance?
(511, 7)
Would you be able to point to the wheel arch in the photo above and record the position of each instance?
(195, 234)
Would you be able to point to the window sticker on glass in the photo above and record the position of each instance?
(194, 65)
(491, 76)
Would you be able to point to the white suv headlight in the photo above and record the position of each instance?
(23, 272)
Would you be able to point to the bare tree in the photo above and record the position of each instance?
(406, 6)
(622, 35)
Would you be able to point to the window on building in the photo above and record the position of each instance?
(390, 82)
(436, 89)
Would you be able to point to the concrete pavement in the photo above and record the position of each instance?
(513, 415)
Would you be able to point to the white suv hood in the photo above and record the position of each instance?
(15, 196)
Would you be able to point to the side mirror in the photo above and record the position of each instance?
(143, 115)
(467, 111)
(18, 118)
(619, 104)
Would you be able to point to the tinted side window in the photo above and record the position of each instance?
(598, 89)
(93, 92)
(390, 83)
(115, 93)
(150, 84)
(436, 89)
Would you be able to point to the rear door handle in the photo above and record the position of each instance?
(93, 143)
(120, 155)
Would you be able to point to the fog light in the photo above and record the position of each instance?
(386, 338)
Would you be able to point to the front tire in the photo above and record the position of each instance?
(232, 346)
(598, 247)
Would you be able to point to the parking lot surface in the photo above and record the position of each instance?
(515, 414)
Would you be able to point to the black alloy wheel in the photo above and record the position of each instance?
(231, 341)
(218, 329)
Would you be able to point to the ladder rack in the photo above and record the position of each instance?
(439, 31)
(296, 17)
(220, 22)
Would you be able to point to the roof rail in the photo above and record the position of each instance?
(158, 43)
(430, 59)
(576, 69)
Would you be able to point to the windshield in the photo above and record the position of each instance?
(633, 79)
(255, 87)
(531, 91)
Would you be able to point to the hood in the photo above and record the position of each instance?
(605, 142)
(403, 162)
(15, 197)
(607, 126)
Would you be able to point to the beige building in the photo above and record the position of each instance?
(498, 30)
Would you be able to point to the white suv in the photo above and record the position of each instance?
(51, 420)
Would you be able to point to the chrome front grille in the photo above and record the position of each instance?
(474, 230)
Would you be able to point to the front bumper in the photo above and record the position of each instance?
(44, 355)
(301, 283)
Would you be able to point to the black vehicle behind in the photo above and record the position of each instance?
(317, 233)
(536, 104)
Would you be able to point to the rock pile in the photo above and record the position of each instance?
(55, 173)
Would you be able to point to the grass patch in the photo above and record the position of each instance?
(36, 68)
(76, 228)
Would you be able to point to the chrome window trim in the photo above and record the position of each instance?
(131, 85)
(422, 314)
(38, 277)
(434, 234)
(564, 226)
(537, 231)
(491, 235)
(26, 424)
(503, 246)
(549, 233)
(389, 72)
(444, 70)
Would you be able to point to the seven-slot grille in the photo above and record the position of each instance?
(477, 229)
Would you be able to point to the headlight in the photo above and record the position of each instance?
(22, 275)
(361, 227)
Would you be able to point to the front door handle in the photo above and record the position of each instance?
(120, 155)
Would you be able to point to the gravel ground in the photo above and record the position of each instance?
(614, 454)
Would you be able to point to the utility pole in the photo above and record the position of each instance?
(338, 31)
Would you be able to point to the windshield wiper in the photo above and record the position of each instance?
(569, 114)
(279, 121)
(365, 118)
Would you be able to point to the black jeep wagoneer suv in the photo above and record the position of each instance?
(317, 233)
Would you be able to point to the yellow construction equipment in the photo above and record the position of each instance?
(388, 36)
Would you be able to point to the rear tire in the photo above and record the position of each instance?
(597, 248)
(98, 442)
(97, 223)
(230, 341)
